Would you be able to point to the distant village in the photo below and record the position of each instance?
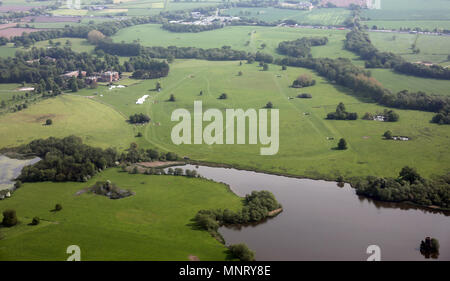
(198, 18)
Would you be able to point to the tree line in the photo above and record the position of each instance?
(68, 159)
(409, 186)
(301, 48)
(190, 28)
(358, 41)
(342, 72)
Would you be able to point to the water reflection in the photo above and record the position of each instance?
(322, 221)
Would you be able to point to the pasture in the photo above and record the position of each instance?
(304, 147)
(236, 37)
(270, 14)
(432, 48)
(397, 82)
(153, 224)
(97, 124)
(417, 10)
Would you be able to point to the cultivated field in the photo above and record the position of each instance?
(154, 224)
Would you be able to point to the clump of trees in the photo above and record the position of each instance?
(242, 252)
(301, 48)
(257, 207)
(342, 114)
(66, 159)
(9, 218)
(430, 248)
(443, 117)
(109, 189)
(409, 186)
(147, 68)
(58, 207)
(139, 118)
(223, 96)
(304, 80)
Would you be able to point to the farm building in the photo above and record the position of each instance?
(109, 76)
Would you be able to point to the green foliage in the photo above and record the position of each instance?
(342, 114)
(48, 122)
(242, 252)
(304, 80)
(301, 48)
(9, 218)
(66, 159)
(342, 144)
(387, 135)
(58, 207)
(140, 118)
(35, 221)
(257, 206)
(409, 186)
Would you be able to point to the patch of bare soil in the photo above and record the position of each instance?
(193, 258)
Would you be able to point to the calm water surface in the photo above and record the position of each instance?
(322, 221)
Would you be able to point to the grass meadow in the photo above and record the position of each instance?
(236, 37)
(304, 147)
(432, 48)
(97, 124)
(154, 224)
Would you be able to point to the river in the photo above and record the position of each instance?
(11, 168)
(322, 221)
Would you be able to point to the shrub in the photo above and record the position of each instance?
(9, 218)
(35, 221)
(48, 122)
(58, 207)
(304, 96)
(269, 105)
(342, 145)
(242, 252)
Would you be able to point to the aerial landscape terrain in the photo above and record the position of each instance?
(118, 139)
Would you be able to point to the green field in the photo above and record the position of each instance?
(236, 37)
(432, 48)
(397, 24)
(97, 124)
(316, 16)
(304, 148)
(397, 82)
(154, 224)
(411, 10)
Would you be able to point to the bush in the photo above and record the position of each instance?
(9, 218)
(242, 252)
(304, 96)
(48, 122)
(35, 221)
(269, 105)
(342, 145)
(58, 207)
